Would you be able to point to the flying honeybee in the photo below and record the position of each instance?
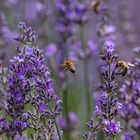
(124, 67)
(69, 65)
(95, 6)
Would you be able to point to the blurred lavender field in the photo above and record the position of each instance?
(69, 70)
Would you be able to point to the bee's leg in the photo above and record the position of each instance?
(66, 68)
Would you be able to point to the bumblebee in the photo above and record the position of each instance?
(69, 65)
(95, 6)
(124, 67)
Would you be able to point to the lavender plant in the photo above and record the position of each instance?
(130, 97)
(30, 108)
(107, 105)
(30, 84)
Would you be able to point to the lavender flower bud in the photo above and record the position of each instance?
(27, 35)
(111, 128)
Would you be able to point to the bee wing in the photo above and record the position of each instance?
(75, 62)
(62, 65)
(130, 64)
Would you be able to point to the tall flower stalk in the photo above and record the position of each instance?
(130, 96)
(30, 85)
(86, 76)
(107, 105)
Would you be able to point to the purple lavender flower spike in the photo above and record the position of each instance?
(30, 83)
(130, 113)
(107, 105)
(111, 128)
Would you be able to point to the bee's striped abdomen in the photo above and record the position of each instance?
(72, 67)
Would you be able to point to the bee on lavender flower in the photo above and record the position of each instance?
(124, 67)
(69, 65)
(95, 6)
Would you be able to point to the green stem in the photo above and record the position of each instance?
(47, 32)
(87, 92)
(65, 90)
(57, 129)
(126, 125)
(12, 138)
(114, 137)
(65, 101)
(110, 92)
(86, 78)
(109, 72)
(66, 111)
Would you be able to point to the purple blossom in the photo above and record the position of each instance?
(37, 8)
(64, 25)
(111, 128)
(3, 125)
(21, 137)
(42, 107)
(91, 45)
(73, 120)
(51, 50)
(97, 111)
(92, 134)
(103, 99)
(128, 136)
(79, 12)
(109, 46)
(27, 35)
(29, 82)
(62, 123)
(109, 29)
(135, 124)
